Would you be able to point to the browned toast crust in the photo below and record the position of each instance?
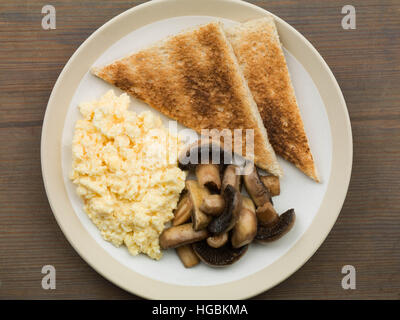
(257, 47)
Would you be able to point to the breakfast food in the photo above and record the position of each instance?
(125, 169)
(259, 52)
(223, 221)
(194, 78)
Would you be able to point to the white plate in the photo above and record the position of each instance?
(317, 205)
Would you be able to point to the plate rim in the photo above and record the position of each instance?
(251, 285)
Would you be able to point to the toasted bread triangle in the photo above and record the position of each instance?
(194, 78)
(257, 47)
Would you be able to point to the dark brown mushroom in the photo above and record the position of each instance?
(277, 230)
(187, 256)
(203, 151)
(255, 188)
(218, 257)
(272, 184)
(208, 176)
(197, 193)
(218, 241)
(213, 204)
(183, 210)
(266, 214)
(227, 219)
(245, 228)
(232, 177)
(180, 235)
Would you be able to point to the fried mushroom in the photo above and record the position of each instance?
(227, 219)
(272, 184)
(187, 255)
(255, 188)
(217, 241)
(183, 210)
(266, 214)
(245, 228)
(275, 231)
(218, 257)
(213, 204)
(232, 177)
(180, 235)
(203, 151)
(197, 193)
(208, 176)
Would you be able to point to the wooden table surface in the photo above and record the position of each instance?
(366, 63)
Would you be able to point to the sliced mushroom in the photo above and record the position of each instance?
(255, 188)
(197, 193)
(180, 235)
(277, 230)
(208, 176)
(213, 204)
(272, 184)
(204, 151)
(227, 219)
(248, 204)
(183, 210)
(218, 257)
(246, 226)
(187, 256)
(217, 241)
(232, 177)
(266, 214)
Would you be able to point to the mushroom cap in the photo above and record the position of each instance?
(218, 257)
(227, 219)
(274, 232)
(198, 151)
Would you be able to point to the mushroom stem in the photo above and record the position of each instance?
(231, 177)
(267, 215)
(272, 184)
(183, 211)
(208, 176)
(180, 235)
(213, 204)
(217, 241)
(187, 256)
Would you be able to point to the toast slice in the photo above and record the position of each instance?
(259, 53)
(194, 78)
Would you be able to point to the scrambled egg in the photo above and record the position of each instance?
(125, 169)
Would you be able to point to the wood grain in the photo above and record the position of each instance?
(366, 63)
